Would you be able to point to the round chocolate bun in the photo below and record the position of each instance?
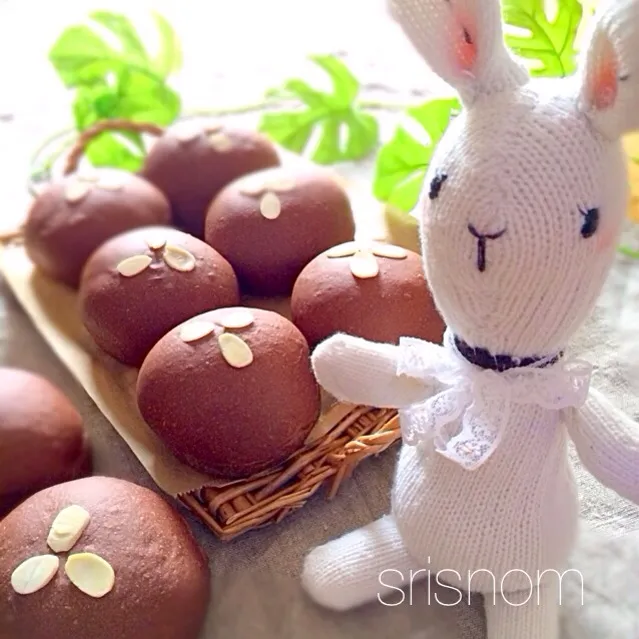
(269, 225)
(192, 162)
(42, 437)
(107, 558)
(230, 392)
(140, 284)
(75, 214)
(371, 290)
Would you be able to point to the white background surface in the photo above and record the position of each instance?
(233, 51)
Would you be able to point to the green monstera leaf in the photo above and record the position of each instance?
(402, 162)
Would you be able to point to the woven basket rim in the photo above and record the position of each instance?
(267, 499)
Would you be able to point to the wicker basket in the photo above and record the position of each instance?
(268, 499)
(344, 436)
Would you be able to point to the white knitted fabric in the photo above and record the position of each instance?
(524, 201)
(471, 408)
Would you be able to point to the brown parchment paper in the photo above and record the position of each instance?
(53, 309)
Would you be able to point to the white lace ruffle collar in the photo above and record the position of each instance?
(466, 418)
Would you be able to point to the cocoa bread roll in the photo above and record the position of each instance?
(269, 225)
(375, 291)
(76, 214)
(105, 558)
(140, 284)
(193, 161)
(230, 392)
(42, 437)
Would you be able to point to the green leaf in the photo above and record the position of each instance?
(291, 129)
(89, 104)
(144, 98)
(121, 27)
(362, 134)
(328, 146)
(108, 149)
(96, 103)
(81, 57)
(402, 162)
(550, 45)
(435, 116)
(136, 96)
(344, 131)
(304, 92)
(117, 81)
(169, 57)
(345, 85)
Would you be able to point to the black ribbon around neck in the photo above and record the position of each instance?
(483, 358)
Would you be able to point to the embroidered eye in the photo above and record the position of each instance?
(590, 222)
(436, 185)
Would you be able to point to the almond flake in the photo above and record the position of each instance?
(112, 181)
(179, 259)
(221, 142)
(76, 191)
(391, 251)
(156, 243)
(194, 331)
(253, 188)
(235, 350)
(34, 574)
(237, 319)
(342, 250)
(90, 573)
(88, 176)
(282, 185)
(67, 528)
(364, 265)
(132, 266)
(270, 206)
(213, 127)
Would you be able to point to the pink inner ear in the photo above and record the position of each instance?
(464, 40)
(604, 76)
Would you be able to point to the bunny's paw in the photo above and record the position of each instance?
(357, 371)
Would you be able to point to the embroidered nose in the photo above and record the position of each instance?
(482, 239)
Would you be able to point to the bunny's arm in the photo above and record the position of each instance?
(607, 441)
(357, 371)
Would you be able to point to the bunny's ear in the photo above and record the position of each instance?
(462, 41)
(609, 74)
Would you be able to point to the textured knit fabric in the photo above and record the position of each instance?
(372, 561)
(607, 443)
(374, 362)
(523, 614)
(518, 239)
(466, 420)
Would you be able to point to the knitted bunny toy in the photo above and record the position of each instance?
(525, 198)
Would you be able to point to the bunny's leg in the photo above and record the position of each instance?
(528, 614)
(368, 564)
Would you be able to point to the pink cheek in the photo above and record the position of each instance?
(605, 240)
